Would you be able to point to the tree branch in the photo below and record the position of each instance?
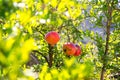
(50, 55)
(104, 57)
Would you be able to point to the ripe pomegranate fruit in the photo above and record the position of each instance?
(52, 38)
(69, 48)
(78, 50)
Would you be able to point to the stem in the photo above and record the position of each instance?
(104, 58)
(50, 55)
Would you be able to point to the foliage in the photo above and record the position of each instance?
(24, 23)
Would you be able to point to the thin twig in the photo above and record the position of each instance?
(34, 58)
(41, 54)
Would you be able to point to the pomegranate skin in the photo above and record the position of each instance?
(69, 48)
(78, 50)
(52, 37)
